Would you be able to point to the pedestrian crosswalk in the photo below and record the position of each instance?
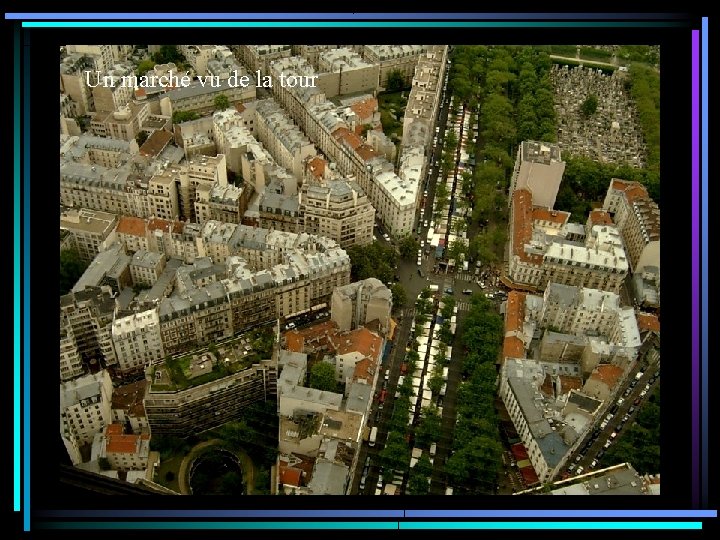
(463, 306)
(465, 277)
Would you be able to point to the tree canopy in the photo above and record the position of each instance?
(374, 260)
(322, 377)
(395, 81)
(221, 102)
(72, 268)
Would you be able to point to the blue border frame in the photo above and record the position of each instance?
(547, 20)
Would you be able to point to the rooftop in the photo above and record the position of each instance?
(540, 152)
(155, 143)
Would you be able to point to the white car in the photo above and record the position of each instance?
(593, 464)
(579, 470)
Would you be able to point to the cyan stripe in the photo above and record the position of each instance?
(17, 367)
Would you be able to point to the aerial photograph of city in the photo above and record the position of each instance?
(361, 269)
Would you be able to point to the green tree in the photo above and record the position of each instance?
(417, 483)
(141, 137)
(408, 247)
(374, 260)
(589, 106)
(145, 66)
(221, 102)
(262, 482)
(72, 268)
(436, 381)
(395, 81)
(429, 427)
(396, 454)
(399, 295)
(322, 377)
(179, 117)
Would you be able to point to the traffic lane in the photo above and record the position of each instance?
(602, 436)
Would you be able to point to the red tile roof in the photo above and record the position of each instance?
(600, 217)
(290, 476)
(554, 216)
(118, 443)
(131, 225)
(513, 346)
(156, 143)
(647, 321)
(522, 225)
(366, 152)
(568, 382)
(632, 190)
(365, 109)
(316, 166)
(350, 138)
(607, 373)
(239, 107)
(165, 225)
(361, 340)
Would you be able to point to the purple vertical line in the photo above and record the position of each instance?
(704, 266)
(695, 268)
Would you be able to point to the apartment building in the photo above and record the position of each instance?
(173, 191)
(103, 56)
(390, 58)
(222, 203)
(71, 364)
(337, 209)
(84, 411)
(94, 187)
(146, 267)
(92, 150)
(198, 56)
(546, 445)
(128, 408)
(109, 268)
(357, 304)
(282, 138)
(259, 57)
(112, 94)
(124, 123)
(201, 98)
(424, 100)
(637, 217)
(395, 203)
(540, 251)
(92, 230)
(123, 451)
(283, 274)
(343, 71)
(181, 408)
(86, 317)
(72, 80)
(279, 208)
(137, 341)
(538, 168)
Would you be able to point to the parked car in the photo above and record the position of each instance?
(594, 463)
(467, 291)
